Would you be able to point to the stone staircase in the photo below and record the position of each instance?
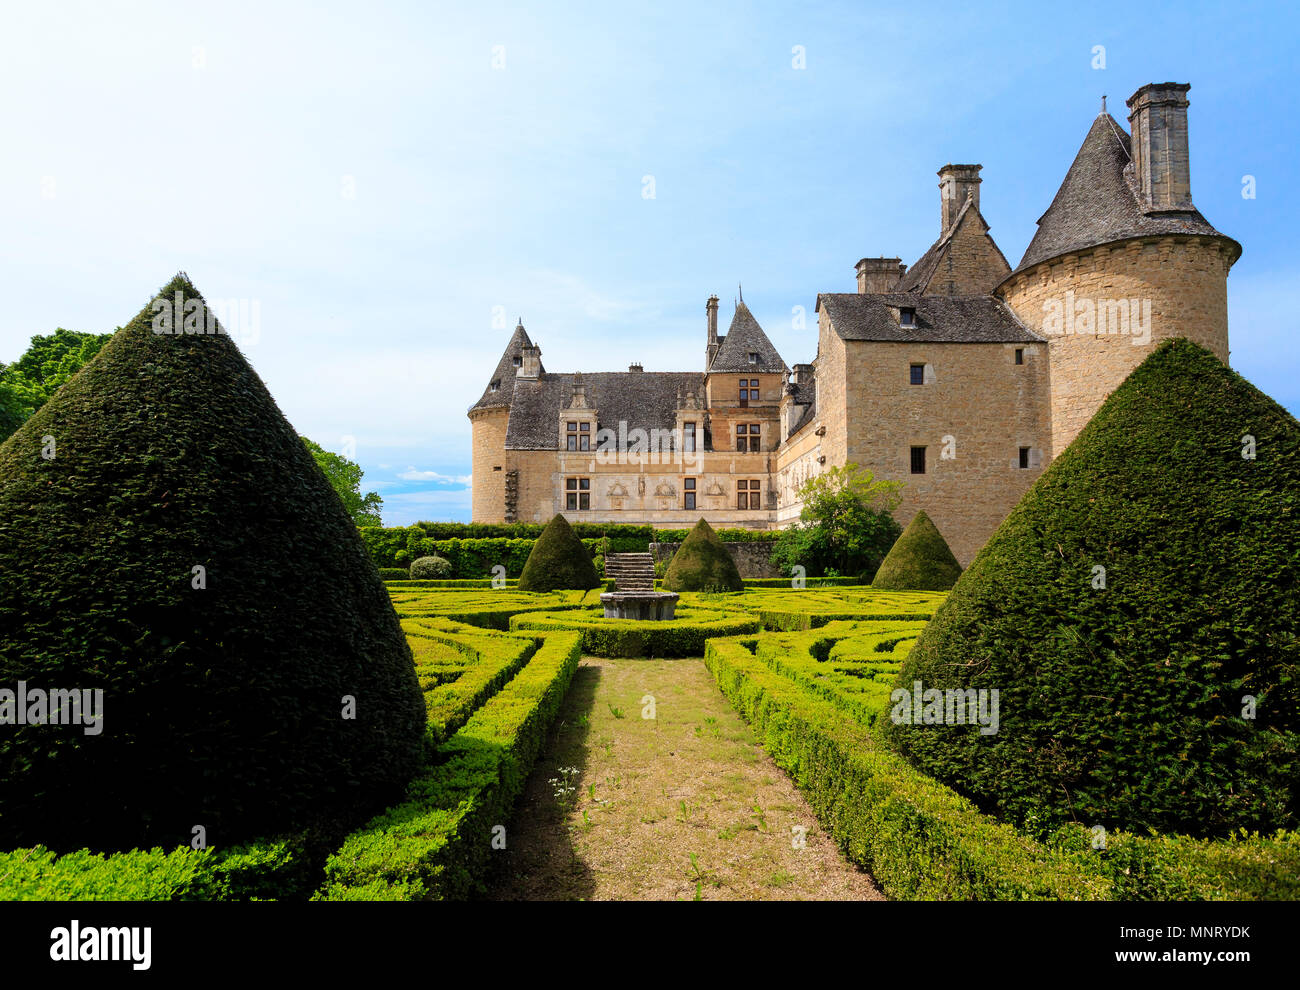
(631, 571)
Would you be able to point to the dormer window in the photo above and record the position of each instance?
(907, 317)
(496, 384)
(753, 357)
(519, 361)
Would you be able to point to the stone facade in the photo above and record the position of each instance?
(958, 376)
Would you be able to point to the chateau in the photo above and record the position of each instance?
(958, 375)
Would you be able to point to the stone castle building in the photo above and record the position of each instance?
(958, 375)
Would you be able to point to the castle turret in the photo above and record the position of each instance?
(1122, 260)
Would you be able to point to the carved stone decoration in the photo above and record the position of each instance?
(714, 489)
(665, 490)
(617, 490)
(640, 486)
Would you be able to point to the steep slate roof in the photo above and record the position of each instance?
(940, 319)
(1096, 203)
(744, 337)
(642, 399)
(505, 373)
(917, 278)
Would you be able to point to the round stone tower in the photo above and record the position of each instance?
(1122, 260)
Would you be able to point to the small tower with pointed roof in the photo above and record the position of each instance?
(1122, 259)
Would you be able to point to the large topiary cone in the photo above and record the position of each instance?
(1122, 692)
(222, 705)
(558, 560)
(702, 563)
(919, 560)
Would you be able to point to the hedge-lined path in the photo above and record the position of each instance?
(650, 794)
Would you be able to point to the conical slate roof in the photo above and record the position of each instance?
(1097, 205)
(746, 337)
(506, 371)
(166, 538)
(1137, 615)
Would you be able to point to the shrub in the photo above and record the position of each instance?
(702, 563)
(558, 560)
(1142, 588)
(844, 527)
(393, 574)
(430, 567)
(222, 701)
(920, 560)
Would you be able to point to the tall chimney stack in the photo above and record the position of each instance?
(879, 274)
(957, 183)
(711, 308)
(1158, 123)
(531, 364)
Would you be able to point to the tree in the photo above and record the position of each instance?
(47, 363)
(558, 560)
(180, 552)
(845, 526)
(345, 476)
(702, 563)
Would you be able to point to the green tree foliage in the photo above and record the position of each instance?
(1137, 613)
(920, 560)
(845, 526)
(48, 362)
(702, 563)
(558, 561)
(345, 478)
(178, 549)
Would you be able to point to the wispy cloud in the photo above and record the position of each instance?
(411, 474)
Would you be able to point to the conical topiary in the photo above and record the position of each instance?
(919, 560)
(702, 563)
(558, 561)
(1137, 614)
(165, 537)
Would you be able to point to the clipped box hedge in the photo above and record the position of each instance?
(683, 636)
(265, 870)
(922, 840)
(436, 844)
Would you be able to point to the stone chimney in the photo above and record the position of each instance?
(531, 366)
(711, 308)
(636, 368)
(1158, 123)
(879, 274)
(802, 375)
(957, 183)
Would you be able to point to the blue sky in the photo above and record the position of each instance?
(388, 196)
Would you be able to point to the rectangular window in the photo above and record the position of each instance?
(918, 374)
(1024, 457)
(688, 493)
(918, 460)
(1020, 355)
(744, 392)
(688, 437)
(577, 494)
(748, 494)
(753, 357)
(570, 436)
(748, 438)
(907, 317)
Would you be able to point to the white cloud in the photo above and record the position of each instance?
(411, 474)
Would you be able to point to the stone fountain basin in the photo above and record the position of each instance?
(654, 606)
